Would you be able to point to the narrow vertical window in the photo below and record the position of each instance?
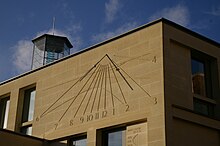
(28, 107)
(4, 111)
(198, 77)
(28, 97)
(202, 68)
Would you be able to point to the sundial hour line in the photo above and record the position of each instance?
(132, 58)
(76, 96)
(155, 99)
(118, 69)
(118, 85)
(113, 96)
(100, 93)
(58, 99)
(113, 104)
(154, 60)
(105, 85)
(80, 79)
(99, 73)
(102, 87)
(96, 92)
(85, 95)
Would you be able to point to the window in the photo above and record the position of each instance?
(201, 79)
(203, 107)
(203, 70)
(28, 96)
(70, 141)
(63, 142)
(79, 141)
(4, 111)
(114, 137)
(28, 107)
(27, 130)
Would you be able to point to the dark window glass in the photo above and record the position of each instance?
(114, 138)
(60, 143)
(81, 142)
(203, 107)
(28, 107)
(198, 77)
(78, 141)
(4, 111)
(27, 130)
(28, 111)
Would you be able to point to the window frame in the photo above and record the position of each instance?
(104, 134)
(26, 105)
(3, 109)
(76, 138)
(20, 120)
(207, 74)
(210, 70)
(24, 129)
(210, 107)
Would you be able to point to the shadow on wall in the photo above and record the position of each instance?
(10, 138)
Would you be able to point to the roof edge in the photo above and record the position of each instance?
(163, 20)
(58, 36)
(23, 135)
(193, 33)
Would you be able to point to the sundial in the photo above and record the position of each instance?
(98, 93)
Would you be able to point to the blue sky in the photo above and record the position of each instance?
(89, 22)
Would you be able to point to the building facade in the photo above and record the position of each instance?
(155, 85)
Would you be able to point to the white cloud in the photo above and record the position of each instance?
(23, 49)
(22, 56)
(215, 11)
(179, 14)
(111, 9)
(74, 29)
(106, 35)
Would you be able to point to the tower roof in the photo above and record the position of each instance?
(65, 39)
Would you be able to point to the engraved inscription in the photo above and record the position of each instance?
(137, 135)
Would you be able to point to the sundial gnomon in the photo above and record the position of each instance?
(104, 86)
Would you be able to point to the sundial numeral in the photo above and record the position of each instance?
(71, 122)
(103, 86)
(37, 119)
(155, 100)
(89, 117)
(104, 114)
(56, 125)
(81, 119)
(96, 115)
(127, 108)
(154, 59)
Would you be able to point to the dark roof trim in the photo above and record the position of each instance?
(117, 37)
(68, 43)
(193, 33)
(20, 134)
